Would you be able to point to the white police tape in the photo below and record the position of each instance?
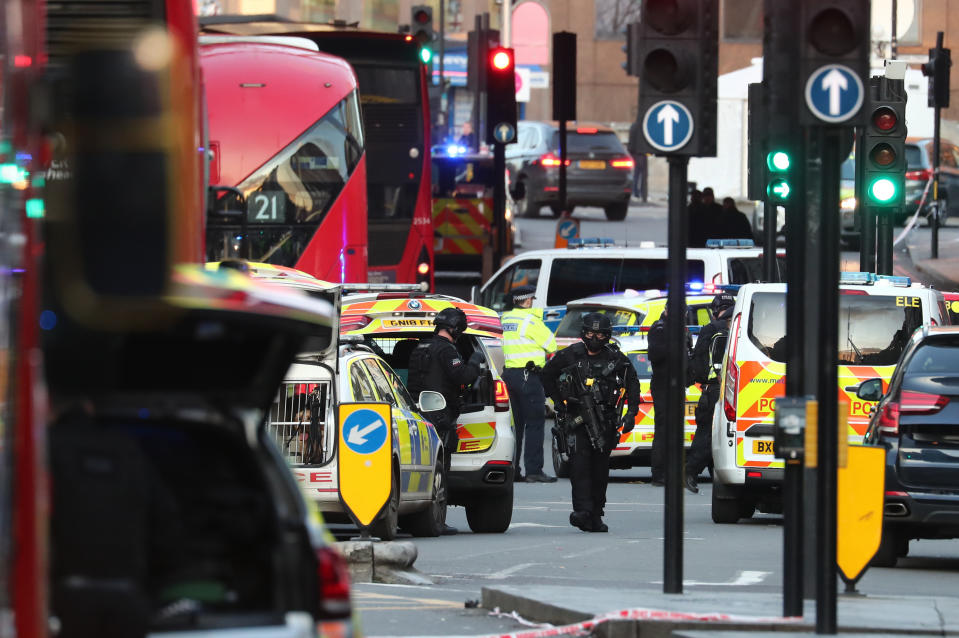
(915, 216)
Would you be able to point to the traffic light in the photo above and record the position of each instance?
(677, 62)
(631, 49)
(500, 96)
(779, 161)
(937, 70)
(884, 145)
(834, 61)
(421, 28)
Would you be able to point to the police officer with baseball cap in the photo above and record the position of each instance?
(526, 343)
(596, 393)
(705, 365)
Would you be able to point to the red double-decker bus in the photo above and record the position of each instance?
(395, 102)
(287, 142)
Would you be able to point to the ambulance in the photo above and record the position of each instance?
(481, 472)
(877, 316)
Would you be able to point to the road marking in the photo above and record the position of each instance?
(372, 600)
(586, 553)
(509, 571)
(743, 579)
(514, 525)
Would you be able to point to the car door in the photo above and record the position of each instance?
(424, 439)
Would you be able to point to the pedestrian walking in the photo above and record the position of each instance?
(526, 343)
(705, 364)
(435, 364)
(590, 382)
(658, 349)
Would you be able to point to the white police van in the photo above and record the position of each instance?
(595, 266)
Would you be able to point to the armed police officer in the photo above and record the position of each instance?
(435, 364)
(705, 364)
(589, 383)
(526, 342)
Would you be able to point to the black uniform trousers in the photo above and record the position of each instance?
(658, 452)
(701, 451)
(528, 402)
(588, 475)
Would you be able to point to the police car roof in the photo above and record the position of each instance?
(633, 299)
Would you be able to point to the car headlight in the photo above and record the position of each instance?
(848, 204)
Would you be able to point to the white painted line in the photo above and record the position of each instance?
(587, 552)
(509, 571)
(743, 579)
(513, 525)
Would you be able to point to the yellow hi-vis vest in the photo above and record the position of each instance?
(526, 338)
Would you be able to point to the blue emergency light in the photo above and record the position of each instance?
(730, 243)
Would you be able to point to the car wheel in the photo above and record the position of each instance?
(432, 520)
(728, 506)
(386, 525)
(491, 513)
(560, 462)
(617, 212)
(525, 208)
(891, 547)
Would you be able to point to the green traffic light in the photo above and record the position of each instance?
(426, 55)
(882, 190)
(778, 190)
(778, 161)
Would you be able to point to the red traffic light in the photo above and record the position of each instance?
(421, 17)
(884, 119)
(501, 59)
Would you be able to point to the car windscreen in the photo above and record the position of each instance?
(745, 270)
(914, 158)
(939, 356)
(590, 142)
(573, 321)
(462, 177)
(873, 330)
(644, 370)
(585, 277)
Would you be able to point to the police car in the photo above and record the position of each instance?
(597, 266)
(481, 472)
(877, 316)
(302, 420)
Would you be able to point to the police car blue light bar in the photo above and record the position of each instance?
(895, 280)
(730, 243)
(856, 278)
(591, 242)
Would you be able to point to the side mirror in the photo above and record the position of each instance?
(869, 390)
(431, 401)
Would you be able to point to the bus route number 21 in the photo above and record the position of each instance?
(266, 207)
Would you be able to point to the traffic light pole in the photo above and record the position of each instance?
(676, 367)
(562, 166)
(828, 141)
(884, 248)
(499, 203)
(770, 217)
(934, 248)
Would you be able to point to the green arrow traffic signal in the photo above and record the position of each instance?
(778, 190)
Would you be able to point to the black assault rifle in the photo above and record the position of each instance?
(575, 385)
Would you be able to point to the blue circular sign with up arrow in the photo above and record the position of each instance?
(364, 431)
(834, 93)
(668, 125)
(504, 132)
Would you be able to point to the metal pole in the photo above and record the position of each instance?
(442, 43)
(769, 241)
(506, 30)
(827, 311)
(893, 37)
(795, 360)
(867, 215)
(676, 366)
(884, 250)
(562, 166)
(934, 249)
(499, 203)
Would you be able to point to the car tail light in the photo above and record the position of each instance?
(551, 161)
(490, 324)
(911, 402)
(731, 393)
(354, 322)
(587, 130)
(924, 174)
(624, 162)
(889, 419)
(502, 396)
(334, 583)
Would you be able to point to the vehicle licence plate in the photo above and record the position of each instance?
(406, 323)
(593, 165)
(762, 447)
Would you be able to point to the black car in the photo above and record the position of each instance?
(919, 156)
(917, 421)
(599, 169)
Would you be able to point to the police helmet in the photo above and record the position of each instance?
(452, 319)
(598, 323)
(522, 293)
(722, 302)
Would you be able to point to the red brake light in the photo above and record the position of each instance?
(490, 324)
(549, 160)
(889, 420)
(852, 291)
(334, 583)
(502, 396)
(731, 393)
(587, 130)
(354, 322)
(423, 268)
(622, 163)
(921, 402)
(923, 174)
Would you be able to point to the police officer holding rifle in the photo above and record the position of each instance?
(591, 383)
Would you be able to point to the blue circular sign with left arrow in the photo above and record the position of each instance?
(364, 431)
(668, 125)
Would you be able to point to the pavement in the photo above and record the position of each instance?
(943, 273)
(620, 613)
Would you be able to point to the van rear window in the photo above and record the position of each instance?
(873, 330)
(577, 278)
(746, 270)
